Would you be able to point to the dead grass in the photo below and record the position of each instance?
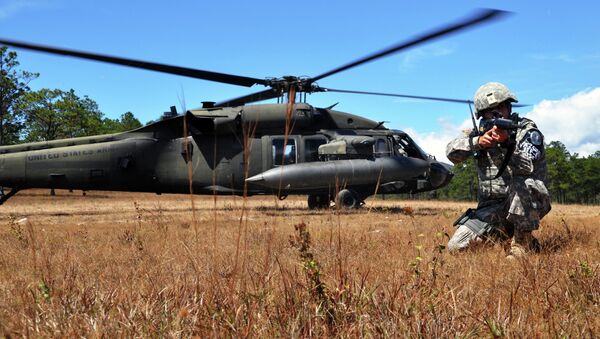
(122, 264)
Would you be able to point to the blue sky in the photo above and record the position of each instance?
(547, 52)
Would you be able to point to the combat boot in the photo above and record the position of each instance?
(523, 243)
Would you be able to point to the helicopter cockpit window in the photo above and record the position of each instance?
(405, 146)
(284, 155)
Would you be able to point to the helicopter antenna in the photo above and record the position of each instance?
(380, 124)
(172, 112)
(472, 116)
(332, 106)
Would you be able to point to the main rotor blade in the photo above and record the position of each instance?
(188, 72)
(460, 101)
(258, 96)
(482, 16)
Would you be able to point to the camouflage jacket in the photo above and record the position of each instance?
(528, 160)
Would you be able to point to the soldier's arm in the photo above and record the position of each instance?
(529, 150)
(462, 148)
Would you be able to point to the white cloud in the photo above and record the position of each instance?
(435, 143)
(574, 121)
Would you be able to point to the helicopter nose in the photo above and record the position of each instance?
(440, 174)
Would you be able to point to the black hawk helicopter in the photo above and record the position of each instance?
(234, 148)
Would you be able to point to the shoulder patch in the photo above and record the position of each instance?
(535, 138)
(532, 152)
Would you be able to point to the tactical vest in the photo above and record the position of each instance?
(490, 161)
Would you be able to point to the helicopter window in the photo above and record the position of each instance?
(281, 155)
(406, 147)
(381, 147)
(311, 149)
(401, 151)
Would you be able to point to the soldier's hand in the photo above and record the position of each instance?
(499, 135)
(487, 140)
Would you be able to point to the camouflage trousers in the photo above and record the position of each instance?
(526, 203)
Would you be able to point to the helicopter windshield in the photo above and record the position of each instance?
(405, 146)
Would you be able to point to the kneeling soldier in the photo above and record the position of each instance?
(511, 167)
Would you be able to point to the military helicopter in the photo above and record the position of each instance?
(231, 147)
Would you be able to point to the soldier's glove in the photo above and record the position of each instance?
(499, 135)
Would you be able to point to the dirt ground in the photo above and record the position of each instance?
(129, 264)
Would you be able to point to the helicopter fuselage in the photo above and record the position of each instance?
(238, 150)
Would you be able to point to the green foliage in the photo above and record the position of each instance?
(586, 178)
(317, 289)
(13, 85)
(559, 169)
(572, 179)
(56, 114)
(126, 122)
(495, 328)
(44, 290)
(463, 185)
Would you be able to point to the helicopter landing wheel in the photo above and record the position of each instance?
(318, 201)
(348, 199)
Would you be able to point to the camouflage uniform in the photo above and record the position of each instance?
(516, 200)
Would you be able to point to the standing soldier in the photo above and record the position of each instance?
(511, 167)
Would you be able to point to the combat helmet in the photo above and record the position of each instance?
(491, 95)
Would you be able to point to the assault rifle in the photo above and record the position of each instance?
(510, 125)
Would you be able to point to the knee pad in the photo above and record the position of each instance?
(471, 220)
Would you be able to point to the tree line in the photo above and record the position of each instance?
(48, 114)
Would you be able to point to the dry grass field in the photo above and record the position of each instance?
(121, 264)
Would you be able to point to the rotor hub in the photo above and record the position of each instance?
(286, 83)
